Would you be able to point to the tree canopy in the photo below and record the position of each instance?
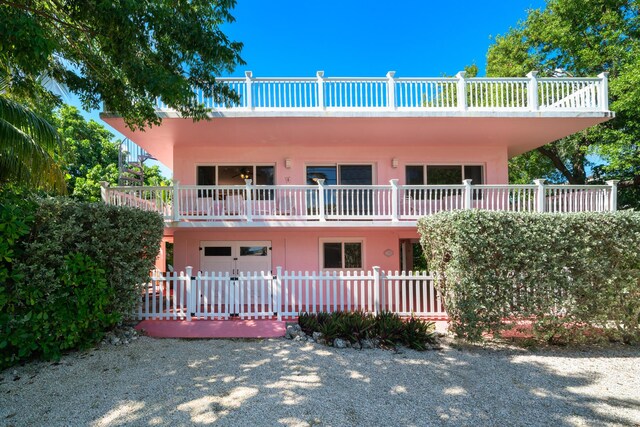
(123, 53)
(581, 38)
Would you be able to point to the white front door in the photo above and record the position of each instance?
(235, 256)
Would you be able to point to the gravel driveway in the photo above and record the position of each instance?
(282, 383)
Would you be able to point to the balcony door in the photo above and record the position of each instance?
(344, 201)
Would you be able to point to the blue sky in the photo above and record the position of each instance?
(287, 38)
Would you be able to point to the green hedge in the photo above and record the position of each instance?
(576, 276)
(70, 271)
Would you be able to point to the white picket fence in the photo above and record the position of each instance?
(260, 295)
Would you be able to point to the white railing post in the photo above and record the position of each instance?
(532, 91)
(249, 96)
(321, 207)
(394, 200)
(190, 292)
(278, 292)
(541, 197)
(320, 76)
(104, 191)
(391, 91)
(467, 193)
(248, 200)
(176, 201)
(603, 93)
(376, 289)
(613, 194)
(462, 90)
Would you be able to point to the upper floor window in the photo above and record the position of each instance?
(235, 175)
(443, 174)
(341, 174)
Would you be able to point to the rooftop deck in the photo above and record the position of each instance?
(389, 96)
(349, 205)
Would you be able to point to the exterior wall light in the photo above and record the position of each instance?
(287, 163)
(394, 163)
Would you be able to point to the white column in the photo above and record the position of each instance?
(248, 200)
(462, 91)
(249, 95)
(104, 191)
(394, 200)
(532, 91)
(613, 194)
(603, 93)
(540, 199)
(321, 206)
(176, 201)
(467, 193)
(376, 289)
(391, 91)
(320, 76)
(278, 292)
(190, 292)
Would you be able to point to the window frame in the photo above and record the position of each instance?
(374, 177)
(251, 165)
(461, 165)
(342, 241)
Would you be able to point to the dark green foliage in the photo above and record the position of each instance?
(69, 272)
(569, 273)
(386, 328)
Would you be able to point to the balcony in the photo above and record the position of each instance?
(389, 96)
(350, 205)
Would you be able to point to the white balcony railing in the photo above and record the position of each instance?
(459, 93)
(320, 203)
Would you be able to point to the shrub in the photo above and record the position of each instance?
(566, 272)
(387, 328)
(69, 271)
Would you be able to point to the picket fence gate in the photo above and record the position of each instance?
(261, 295)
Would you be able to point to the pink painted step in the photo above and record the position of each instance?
(213, 328)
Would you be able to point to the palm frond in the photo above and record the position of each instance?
(27, 145)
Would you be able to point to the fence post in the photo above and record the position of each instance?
(467, 193)
(394, 200)
(603, 93)
(176, 201)
(321, 207)
(278, 292)
(532, 91)
(376, 289)
(248, 204)
(320, 76)
(249, 96)
(104, 191)
(189, 292)
(462, 90)
(613, 194)
(391, 91)
(540, 205)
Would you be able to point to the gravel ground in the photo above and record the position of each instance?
(284, 383)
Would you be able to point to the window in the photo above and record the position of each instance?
(341, 254)
(443, 174)
(235, 175)
(341, 174)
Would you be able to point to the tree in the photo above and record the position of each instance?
(581, 38)
(28, 146)
(125, 54)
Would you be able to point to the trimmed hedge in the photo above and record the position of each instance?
(71, 271)
(575, 276)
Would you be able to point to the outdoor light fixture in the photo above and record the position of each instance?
(394, 163)
(287, 163)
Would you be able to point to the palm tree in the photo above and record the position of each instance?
(28, 144)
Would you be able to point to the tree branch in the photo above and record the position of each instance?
(552, 155)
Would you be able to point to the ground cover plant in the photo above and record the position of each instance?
(386, 328)
(574, 277)
(69, 271)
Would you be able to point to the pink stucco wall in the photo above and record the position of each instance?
(494, 159)
(295, 249)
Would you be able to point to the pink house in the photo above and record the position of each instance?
(331, 174)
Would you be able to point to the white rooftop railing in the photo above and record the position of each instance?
(459, 93)
(333, 204)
